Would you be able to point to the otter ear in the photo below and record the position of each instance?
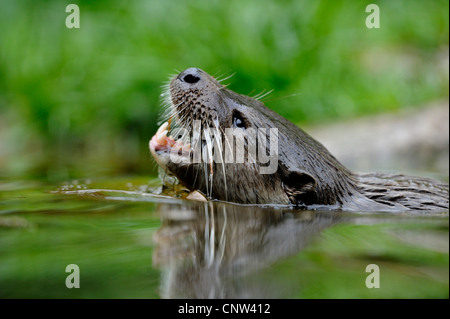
(299, 186)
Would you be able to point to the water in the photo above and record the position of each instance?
(130, 243)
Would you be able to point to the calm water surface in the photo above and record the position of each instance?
(130, 243)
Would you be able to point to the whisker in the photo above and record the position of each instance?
(284, 96)
(215, 74)
(205, 169)
(262, 94)
(193, 147)
(223, 159)
(170, 112)
(209, 149)
(226, 78)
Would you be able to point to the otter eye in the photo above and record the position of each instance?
(238, 121)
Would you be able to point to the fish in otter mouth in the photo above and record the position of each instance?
(231, 147)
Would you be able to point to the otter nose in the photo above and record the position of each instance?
(191, 75)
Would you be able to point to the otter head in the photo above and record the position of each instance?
(231, 147)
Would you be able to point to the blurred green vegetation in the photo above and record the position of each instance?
(76, 101)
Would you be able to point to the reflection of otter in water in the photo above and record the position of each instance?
(306, 173)
(209, 250)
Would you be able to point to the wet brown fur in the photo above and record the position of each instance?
(307, 175)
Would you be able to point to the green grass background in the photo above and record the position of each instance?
(77, 101)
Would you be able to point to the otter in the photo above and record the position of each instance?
(306, 175)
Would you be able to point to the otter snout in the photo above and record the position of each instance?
(194, 79)
(190, 76)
